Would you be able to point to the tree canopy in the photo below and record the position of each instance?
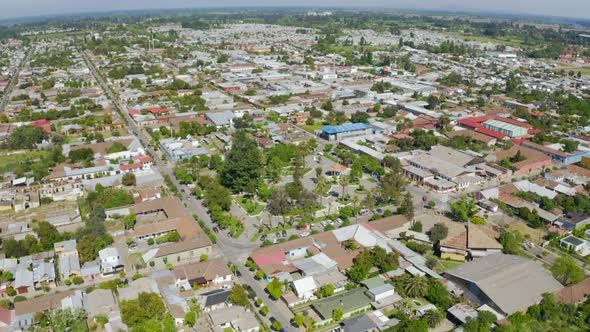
(242, 169)
(26, 137)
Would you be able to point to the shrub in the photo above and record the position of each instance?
(78, 280)
(19, 298)
(68, 282)
(418, 247)
(11, 292)
(203, 258)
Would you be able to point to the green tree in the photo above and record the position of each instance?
(81, 155)
(299, 320)
(407, 206)
(337, 314)
(190, 318)
(482, 323)
(129, 221)
(62, 320)
(47, 233)
(463, 209)
(438, 295)
(415, 286)
(275, 289)
(276, 325)
(239, 296)
(433, 317)
(128, 179)
(511, 242)
(241, 171)
(26, 137)
(438, 232)
(567, 271)
(326, 290)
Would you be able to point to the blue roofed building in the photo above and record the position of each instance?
(337, 133)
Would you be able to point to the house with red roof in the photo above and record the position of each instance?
(43, 124)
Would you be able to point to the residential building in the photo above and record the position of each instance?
(110, 261)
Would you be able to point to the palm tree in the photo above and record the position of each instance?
(344, 180)
(318, 173)
(415, 286)
(433, 317)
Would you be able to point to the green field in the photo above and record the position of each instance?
(9, 162)
(56, 35)
(313, 128)
(505, 40)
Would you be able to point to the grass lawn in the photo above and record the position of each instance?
(535, 235)
(10, 161)
(249, 205)
(313, 128)
(506, 40)
(56, 35)
(446, 265)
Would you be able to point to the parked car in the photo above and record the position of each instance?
(278, 234)
(284, 233)
(304, 234)
(364, 212)
(380, 210)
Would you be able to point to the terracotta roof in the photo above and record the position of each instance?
(387, 224)
(40, 304)
(470, 236)
(470, 133)
(125, 167)
(579, 170)
(209, 270)
(574, 293)
(338, 168)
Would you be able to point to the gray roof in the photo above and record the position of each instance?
(68, 265)
(100, 301)
(136, 287)
(511, 282)
(43, 271)
(220, 118)
(64, 246)
(360, 323)
(216, 297)
(90, 268)
(23, 278)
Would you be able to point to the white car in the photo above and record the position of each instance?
(304, 234)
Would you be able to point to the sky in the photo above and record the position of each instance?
(26, 8)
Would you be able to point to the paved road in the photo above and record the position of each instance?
(13, 81)
(233, 251)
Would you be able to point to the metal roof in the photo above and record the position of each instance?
(345, 128)
(511, 282)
